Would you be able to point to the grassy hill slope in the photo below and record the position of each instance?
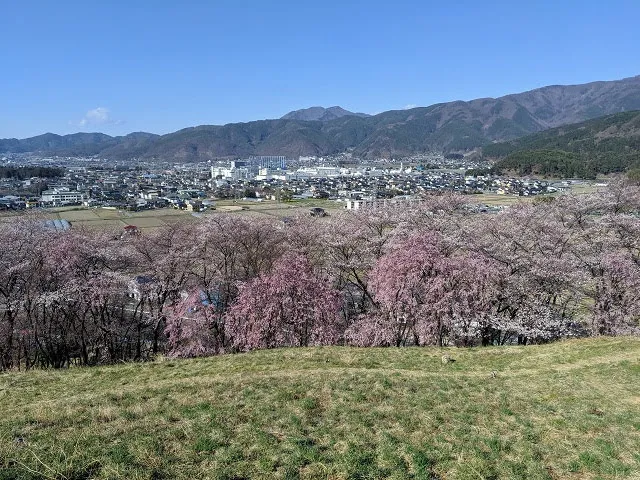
(564, 410)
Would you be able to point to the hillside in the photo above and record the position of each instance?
(564, 410)
(604, 145)
(452, 126)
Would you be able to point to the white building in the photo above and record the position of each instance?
(149, 194)
(62, 197)
(352, 204)
(231, 173)
(316, 172)
(404, 200)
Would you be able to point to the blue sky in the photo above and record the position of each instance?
(121, 66)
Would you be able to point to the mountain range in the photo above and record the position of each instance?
(445, 127)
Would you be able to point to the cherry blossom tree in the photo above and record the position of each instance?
(164, 258)
(426, 293)
(428, 273)
(290, 306)
(196, 326)
(536, 248)
(19, 242)
(228, 250)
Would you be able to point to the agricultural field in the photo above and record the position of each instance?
(111, 218)
(566, 410)
(276, 209)
(150, 219)
(493, 199)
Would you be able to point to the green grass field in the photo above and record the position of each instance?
(569, 410)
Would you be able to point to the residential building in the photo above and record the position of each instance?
(62, 197)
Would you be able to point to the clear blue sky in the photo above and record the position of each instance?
(119, 66)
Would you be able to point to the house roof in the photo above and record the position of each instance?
(58, 225)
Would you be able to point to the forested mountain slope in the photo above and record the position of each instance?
(604, 145)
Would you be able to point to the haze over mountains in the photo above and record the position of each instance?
(453, 126)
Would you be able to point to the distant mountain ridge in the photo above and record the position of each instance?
(81, 144)
(445, 127)
(320, 114)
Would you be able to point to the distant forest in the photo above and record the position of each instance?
(23, 173)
